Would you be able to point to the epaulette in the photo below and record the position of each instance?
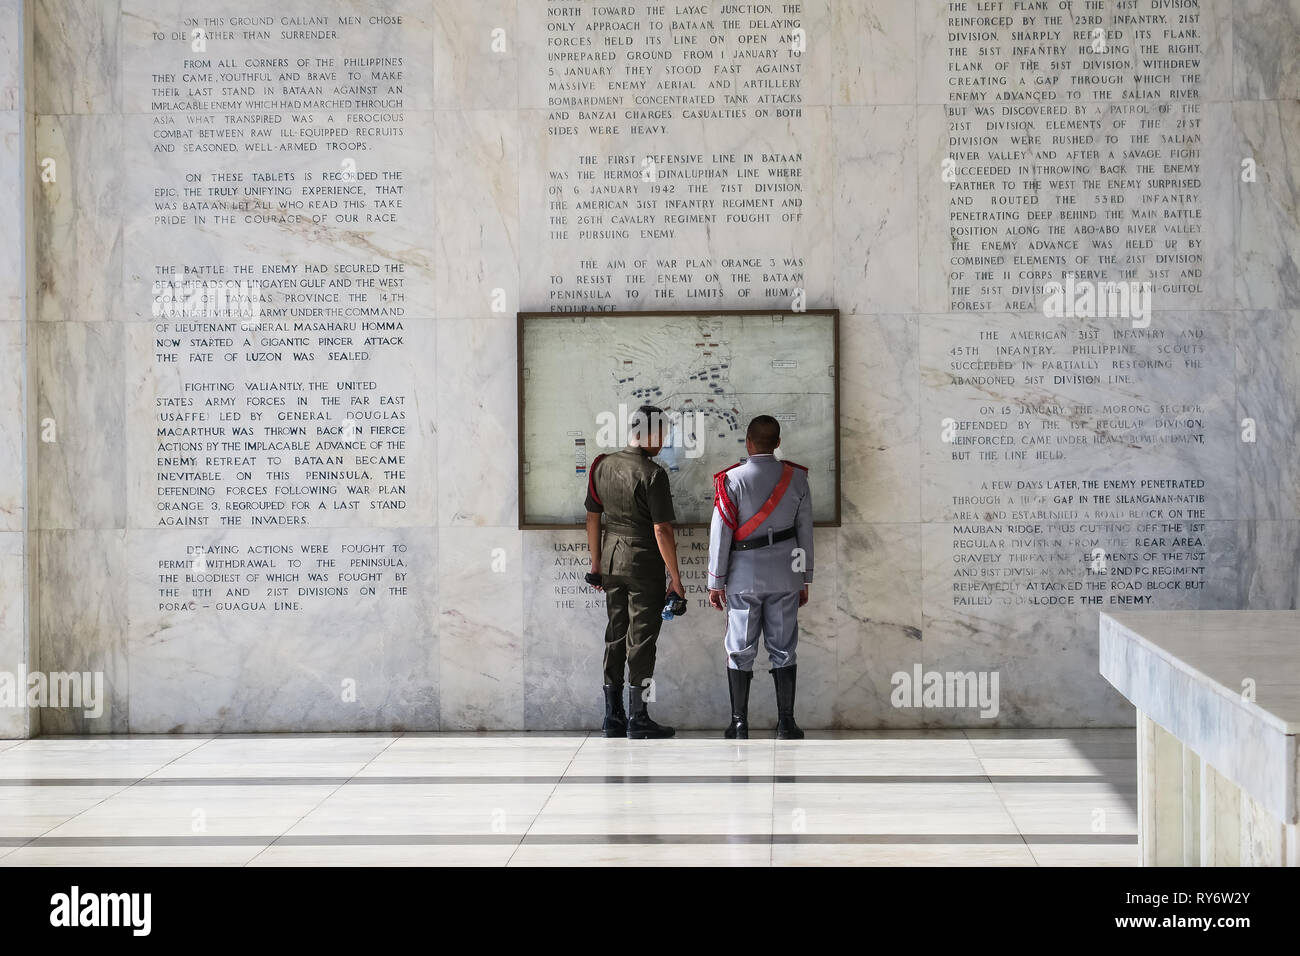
(795, 464)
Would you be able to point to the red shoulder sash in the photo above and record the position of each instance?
(774, 499)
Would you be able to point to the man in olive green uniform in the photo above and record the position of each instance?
(628, 563)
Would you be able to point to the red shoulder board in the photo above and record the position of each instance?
(795, 464)
(717, 474)
(591, 479)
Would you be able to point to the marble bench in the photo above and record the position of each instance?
(1218, 701)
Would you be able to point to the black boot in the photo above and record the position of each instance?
(786, 728)
(738, 685)
(639, 725)
(615, 724)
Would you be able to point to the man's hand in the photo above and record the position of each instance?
(803, 596)
(594, 579)
(718, 598)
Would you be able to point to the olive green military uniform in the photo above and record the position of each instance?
(632, 492)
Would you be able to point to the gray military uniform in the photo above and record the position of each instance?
(762, 583)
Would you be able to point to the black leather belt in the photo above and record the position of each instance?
(762, 540)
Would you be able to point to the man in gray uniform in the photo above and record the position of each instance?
(760, 566)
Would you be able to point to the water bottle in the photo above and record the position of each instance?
(674, 605)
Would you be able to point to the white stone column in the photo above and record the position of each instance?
(1191, 789)
(1220, 819)
(15, 425)
(1161, 814)
(1191, 815)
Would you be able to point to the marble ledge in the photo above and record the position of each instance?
(1186, 671)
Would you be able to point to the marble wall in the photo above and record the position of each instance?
(481, 641)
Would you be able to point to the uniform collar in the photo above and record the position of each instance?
(763, 454)
(637, 450)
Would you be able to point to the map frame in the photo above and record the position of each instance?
(523, 318)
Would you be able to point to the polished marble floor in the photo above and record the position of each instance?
(988, 797)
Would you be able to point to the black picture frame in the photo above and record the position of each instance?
(523, 318)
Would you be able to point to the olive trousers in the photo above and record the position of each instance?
(634, 607)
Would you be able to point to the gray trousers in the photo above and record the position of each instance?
(773, 616)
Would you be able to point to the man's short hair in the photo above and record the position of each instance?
(764, 432)
(648, 421)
